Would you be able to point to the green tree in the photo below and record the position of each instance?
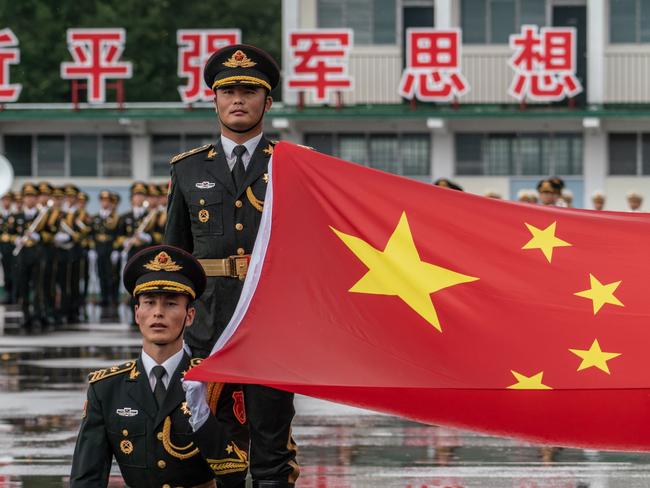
(151, 47)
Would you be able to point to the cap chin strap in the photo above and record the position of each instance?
(241, 131)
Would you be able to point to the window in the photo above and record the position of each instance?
(403, 154)
(165, 147)
(69, 155)
(518, 154)
(373, 21)
(629, 21)
(492, 21)
(18, 150)
(629, 154)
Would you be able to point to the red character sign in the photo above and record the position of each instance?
(544, 64)
(319, 62)
(432, 72)
(194, 48)
(96, 54)
(9, 54)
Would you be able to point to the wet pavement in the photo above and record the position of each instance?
(42, 391)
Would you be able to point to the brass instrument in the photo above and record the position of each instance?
(20, 243)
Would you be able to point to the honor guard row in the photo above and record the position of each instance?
(52, 248)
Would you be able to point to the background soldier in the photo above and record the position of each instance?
(215, 207)
(59, 263)
(7, 246)
(82, 223)
(136, 412)
(103, 234)
(27, 227)
(116, 255)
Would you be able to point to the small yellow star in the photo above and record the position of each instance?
(212, 153)
(265, 177)
(600, 294)
(269, 150)
(529, 383)
(594, 356)
(544, 240)
(229, 449)
(399, 271)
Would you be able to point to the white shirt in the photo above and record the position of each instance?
(104, 212)
(228, 146)
(170, 366)
(138, 212)
(30, 212)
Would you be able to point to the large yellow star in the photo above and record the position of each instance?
(600, 294)
(544, 240)
(529, 382)
(399, 271)
(594, 356)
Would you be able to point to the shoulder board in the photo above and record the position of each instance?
(101, 374)
(273, 143)
(185, 154)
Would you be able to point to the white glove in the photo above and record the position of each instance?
(115, 256)
(61, 237)
(144, 237)
(92, 255)
(195, 395)
(35, 236)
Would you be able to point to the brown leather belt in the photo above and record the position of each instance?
(232, 266)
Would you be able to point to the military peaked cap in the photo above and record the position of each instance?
(241, 64)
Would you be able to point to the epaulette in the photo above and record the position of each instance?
(101, 374)
(185, 154)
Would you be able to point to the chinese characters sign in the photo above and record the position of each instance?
(432, 71)
(319, 62)
(194, 48)
(9, 54)
(96, 54)
(544, 64)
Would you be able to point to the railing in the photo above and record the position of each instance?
(626, 74)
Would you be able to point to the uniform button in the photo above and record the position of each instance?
(202, 201)
(239, 226)
(239, 204)
(166, 486)
(241, 251)
(159, 436)
(162, 464)
(125, 432)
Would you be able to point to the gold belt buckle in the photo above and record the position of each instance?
(238, 266)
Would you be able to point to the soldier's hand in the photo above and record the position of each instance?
(115, 256)
(61, 237)
(195, 395)
(34, 236)
(144, 237)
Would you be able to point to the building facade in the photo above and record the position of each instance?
(485, 140)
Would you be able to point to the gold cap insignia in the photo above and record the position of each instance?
(162, 262)
(239, 60)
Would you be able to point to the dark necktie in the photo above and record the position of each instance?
(239, 171)
(159, 390)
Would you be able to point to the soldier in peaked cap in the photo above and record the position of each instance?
(215, 207)
(137, 412)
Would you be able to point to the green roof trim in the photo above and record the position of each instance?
(404, 111)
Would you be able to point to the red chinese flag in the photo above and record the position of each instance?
(443, 307)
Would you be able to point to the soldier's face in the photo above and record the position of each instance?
(105, 203)
(29, 200)
(162, 318)
(137, 200)
(547, 197)
(241, 107)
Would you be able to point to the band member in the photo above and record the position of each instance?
(7, 218)
(103, 234)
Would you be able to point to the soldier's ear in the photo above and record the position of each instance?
(268, 103)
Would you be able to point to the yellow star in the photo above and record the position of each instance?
(229, 449)
(594, 356)
(600, 294)
(399, 271)
(529, 383)
(544, 240)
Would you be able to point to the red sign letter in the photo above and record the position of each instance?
(319, 62)
(96, 54)
(9, 54)
(194, 48)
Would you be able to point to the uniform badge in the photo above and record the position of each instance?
(265, 177)
(238, 407)
(134, 374)
(162, 262)
(126, 446)
(239, 60)
(212, 153)
(204, 215)
(269, 150)
(126, 412)
(205, 185)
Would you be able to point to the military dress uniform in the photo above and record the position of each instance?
(147, 428)
(6, 250)
(103, 235)
(217, 221)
